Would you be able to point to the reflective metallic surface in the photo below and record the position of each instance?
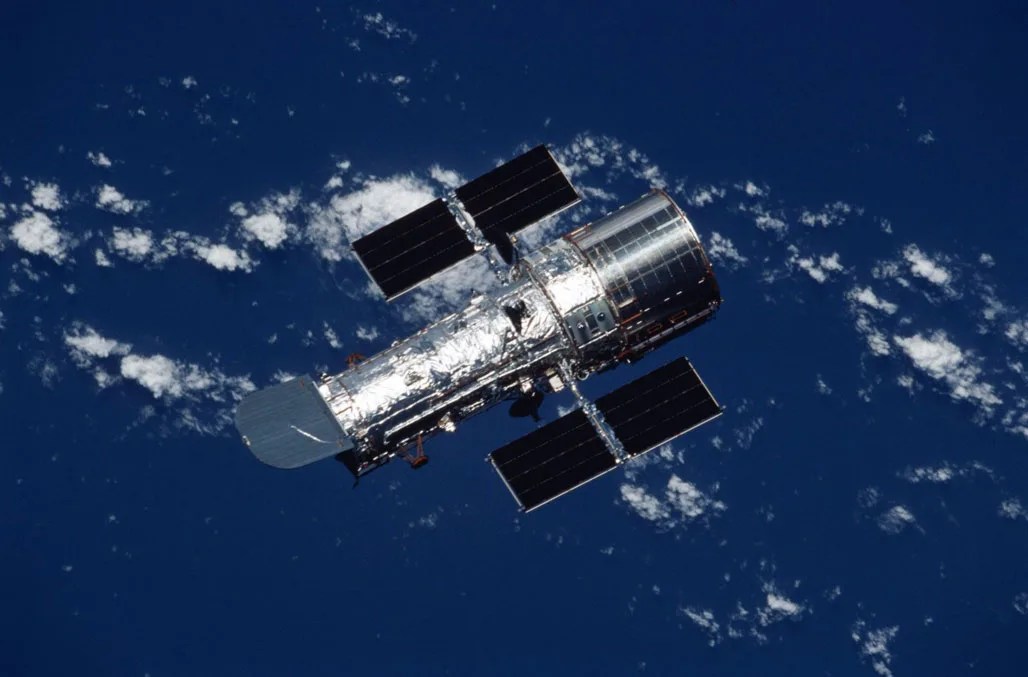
(606, 293)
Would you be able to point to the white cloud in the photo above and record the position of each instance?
(189, 82)
(1020, 603)
(926, 138)
(110, 199)
(705, 195)
(169, 379)
(822, 387)
(933, 475)
(1017, 333)
(37, 234)
(874, 646)
(587, 152)
(1012, 509)
(366, 333)
(682, 502)
(921, 265)
(267, 221)
(448, 290)
(644, 504)
(390, 30)
(47, 196)
(723, 251)
(778, 607)
(939, 358)
(867, 297)
(269, 229)
(830, 215)
(765, 220)
(99, 159)
(136, 244)
(223, 257)
(101, 259)
(818, 270)
(447, 177)
(331, 336)
(752, 189)
(376, 203)
(705, 620)
(896, 519)
(86, 345)
(986, 260)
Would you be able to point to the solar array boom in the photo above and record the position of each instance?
(552, 460)
(413, 248)
(658, 407)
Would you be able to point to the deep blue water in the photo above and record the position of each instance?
(134, 545)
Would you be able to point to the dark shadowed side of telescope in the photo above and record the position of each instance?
(289, 425)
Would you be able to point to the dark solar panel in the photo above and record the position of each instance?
(413, 248)
(659, 406)
(525, 208)
(552, 460)
(518, 193)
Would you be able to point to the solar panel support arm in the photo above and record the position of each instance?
(504, 273)
(595, 416)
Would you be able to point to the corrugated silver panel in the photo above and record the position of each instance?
(289, 425)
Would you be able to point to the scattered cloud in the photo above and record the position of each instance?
(867, 297)
(939, 358)
(47, 196)
(189, 82)
(723, 251)
(923, 266)
(765, 219)
(704, 195)
(926, 138)
(682, 502)
(896, 519)
(830, 215)
(110, 199)
(390, 30)
(267, 221)
(943, 473)
(1017, 333)
(820, 269)
(874, 646)
(377, 202)
(1012, 509)
(86, 344)
(101, 259)
(135, 244)
(99, 159)
(448, 178)
(752, 189)
(366, 333)
(222, 256)
(37, 233)
(778, 607)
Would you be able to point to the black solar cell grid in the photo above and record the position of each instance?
(413, 248)
(658, 406)
(552, 460)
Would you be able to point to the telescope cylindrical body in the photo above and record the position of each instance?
(605, 293)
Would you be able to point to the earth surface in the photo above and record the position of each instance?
(179, 185)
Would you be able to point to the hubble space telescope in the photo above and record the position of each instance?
(604, 294)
